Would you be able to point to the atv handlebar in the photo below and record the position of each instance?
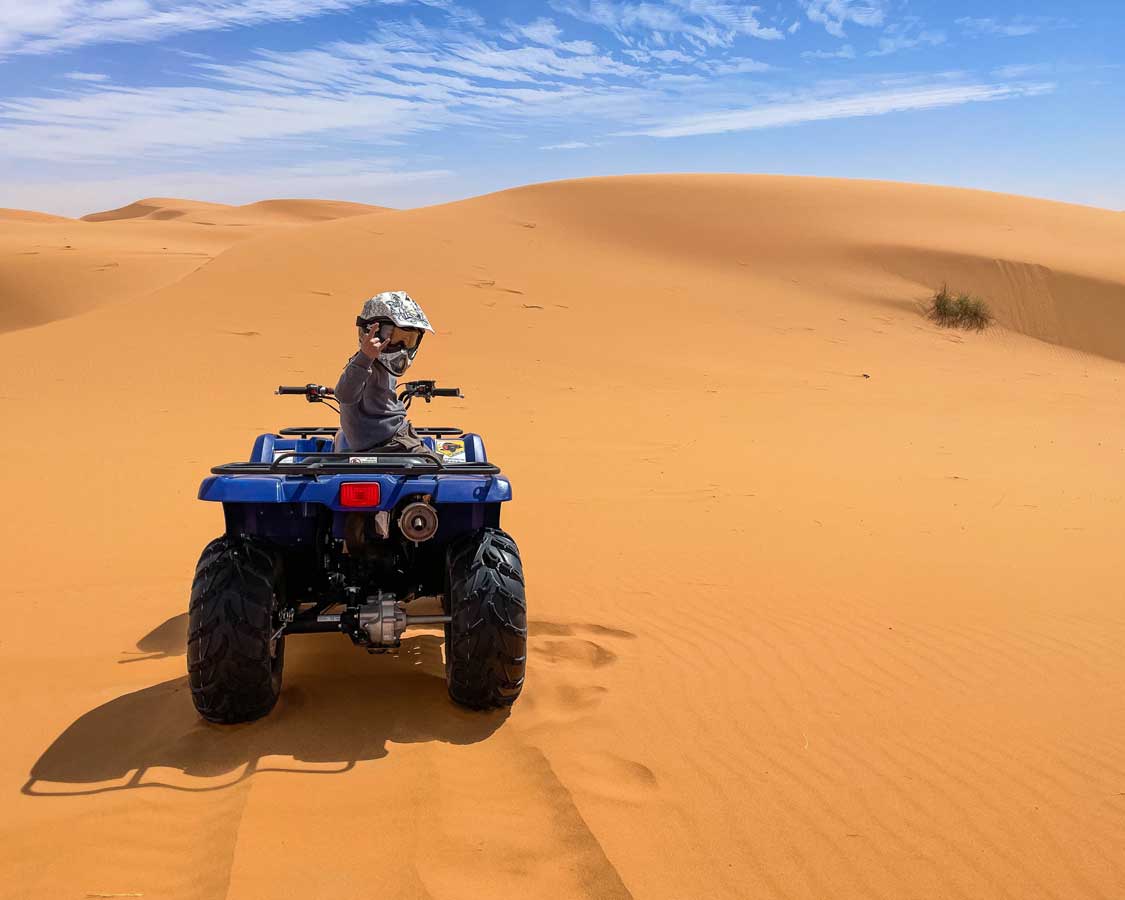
(318, 393)
(426, 390)
(314, 393)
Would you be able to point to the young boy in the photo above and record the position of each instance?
(391, 327)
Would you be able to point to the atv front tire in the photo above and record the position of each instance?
(486, 641)
(234, 665)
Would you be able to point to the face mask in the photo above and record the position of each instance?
(397, 362)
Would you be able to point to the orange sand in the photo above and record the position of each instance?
(796, 632)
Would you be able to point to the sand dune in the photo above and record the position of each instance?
(264, 212)
(158, 209)
(24, 215)
(64, 267)
(298, 211)
(826, 600)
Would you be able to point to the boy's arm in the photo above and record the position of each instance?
(354, 378)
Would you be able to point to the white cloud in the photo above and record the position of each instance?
(86, 76)
(671, 56)
(704, 23)
(835, 14)
(906, 35)
(738, 66)
(1023, 71)
(779, 114)
(42, 26)
(124, 122)
(1018, 27)
(401, 82)
(845, 52)
(546, 32)
(571, 145)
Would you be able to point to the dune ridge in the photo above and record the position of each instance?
(65, 267)
(262, 212)
(28, 216)
(825, 600)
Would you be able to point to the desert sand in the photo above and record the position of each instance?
(826, 600)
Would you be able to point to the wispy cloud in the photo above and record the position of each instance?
(119, 122)
(845, 52)
(705, 23)
(545, 32)
(738, 66)
(907, 35)
(1024, 70)
(403, 81)
(779, 114)
(41, 26)
(571, 145)
(835, 14)
(1021, 26)
(93, 77)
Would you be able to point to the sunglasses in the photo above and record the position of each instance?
(391, 335)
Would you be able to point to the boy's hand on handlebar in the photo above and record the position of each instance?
(371, 346)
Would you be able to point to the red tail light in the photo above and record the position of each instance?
(359, 493)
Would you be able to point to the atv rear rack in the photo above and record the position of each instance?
(386, 462)
(321, 431)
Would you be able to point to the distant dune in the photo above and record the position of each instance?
(23, 215)
(264, 212)
(67, 266)
(825, 600)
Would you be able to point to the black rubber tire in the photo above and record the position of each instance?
(234, 673)
(486, 643)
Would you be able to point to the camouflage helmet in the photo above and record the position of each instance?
(399, 308)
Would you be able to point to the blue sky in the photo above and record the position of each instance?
(407, 102)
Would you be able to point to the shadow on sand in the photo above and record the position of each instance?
(339, 706)
(166, 639)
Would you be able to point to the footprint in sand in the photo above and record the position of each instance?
(563, 658)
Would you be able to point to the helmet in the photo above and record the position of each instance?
(397, 308)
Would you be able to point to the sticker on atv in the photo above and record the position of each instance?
(452, 451)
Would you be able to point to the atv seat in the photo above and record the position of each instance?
(473, 450)
(340, 443)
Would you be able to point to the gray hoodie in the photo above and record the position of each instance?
(370, 413)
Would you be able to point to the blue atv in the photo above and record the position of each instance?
(322, 538)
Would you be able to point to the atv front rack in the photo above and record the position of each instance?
(304, 463)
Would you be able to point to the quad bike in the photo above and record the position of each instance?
(322, 538)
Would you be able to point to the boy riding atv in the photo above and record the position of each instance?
(391, 327)
(342, 531)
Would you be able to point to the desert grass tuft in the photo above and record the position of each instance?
(959, 311)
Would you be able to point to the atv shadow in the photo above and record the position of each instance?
(338, 707)
(169, 638)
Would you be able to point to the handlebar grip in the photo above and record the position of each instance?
(447, 392)
(308, 390)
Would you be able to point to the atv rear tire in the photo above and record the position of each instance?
(234, 666)
(486, 641)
